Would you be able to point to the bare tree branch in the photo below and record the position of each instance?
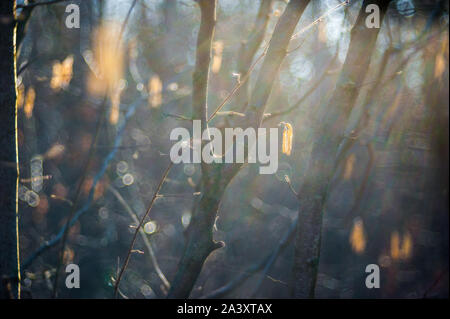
(311, 90)
(238, 85)
(276, 52)
(202, 61)
(138, 228)
(187, 270)
(144, 237)
(249, 48)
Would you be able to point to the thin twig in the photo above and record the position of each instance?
(434, 284)
(238, 84)
(259, 58)
(144, 237)
(178, 117)
(185, 195)
(26, 65)
(36, 178)
(124, 24)
(133, 241)
(288, 181)
(308, 93)
(249, 49)
(319, 19)
(230, 113)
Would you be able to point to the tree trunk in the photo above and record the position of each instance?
(9, 247)
(272, 62)
(313, 192)
(199, 237)
(437, 101)
(215, 178)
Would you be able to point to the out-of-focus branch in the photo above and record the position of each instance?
(88, 162)
(118, 140)
(243, 79)
(326, 71)
(249, 48)
(329, 134)
(178, 117)
(73, 208)
(416, 47)
(363, 121)
(364, 183)
(22, 21)
(222, 113)
(35, 4)
(347, 144)
(288, 181)
(311, 90)
(265, 264)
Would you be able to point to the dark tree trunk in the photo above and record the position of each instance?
(272, 62)
(215, 178)
(9, 269)
(199, 236)
(437, 101)
(313, 192)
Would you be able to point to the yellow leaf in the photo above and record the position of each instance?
(20, 95)
(439, 66)
(395, 245)
(115, 107)
(106, 60)
(155, 88)
(55, 151)
(62, 73)
(68, 255)
(357, 237)
(406, 249)
(401, 250)
(348, 171)
(440, 62)
(217, 57)
(29, 102)
(287, 139)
